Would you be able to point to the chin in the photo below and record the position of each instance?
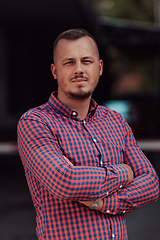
(80, 96)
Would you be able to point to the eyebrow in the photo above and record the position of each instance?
(67, 59)
(88, 57)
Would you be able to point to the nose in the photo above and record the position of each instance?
(78, 68)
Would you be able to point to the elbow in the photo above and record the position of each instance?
(155, 187)
(156, 195)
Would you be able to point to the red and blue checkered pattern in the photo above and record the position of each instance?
(96, 147)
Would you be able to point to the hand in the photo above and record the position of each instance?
(130, 172)
(90, 203)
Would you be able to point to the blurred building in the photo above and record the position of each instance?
(27, 32)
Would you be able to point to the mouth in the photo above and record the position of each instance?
(77, 80)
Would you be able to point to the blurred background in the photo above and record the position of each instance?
(128, 35)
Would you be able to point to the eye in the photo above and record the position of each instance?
(87, 61)
(68, 63)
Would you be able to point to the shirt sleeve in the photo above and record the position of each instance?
(145, 187)
(42, 155)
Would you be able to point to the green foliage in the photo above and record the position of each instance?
(139, 10)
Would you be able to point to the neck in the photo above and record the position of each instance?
(80, 106)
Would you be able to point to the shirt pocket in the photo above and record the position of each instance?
(111, 153)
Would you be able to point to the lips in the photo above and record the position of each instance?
(79, 80)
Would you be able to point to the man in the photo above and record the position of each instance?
(83, 166)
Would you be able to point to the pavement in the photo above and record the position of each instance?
(17, 214)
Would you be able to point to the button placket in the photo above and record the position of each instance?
(101, 162)
(94, 140)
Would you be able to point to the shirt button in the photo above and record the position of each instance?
(124, 211)
(108, 211)
(74, 113)
(113, 236)
(84, 122)
(120, 186)
(94, 140)
(107, 193)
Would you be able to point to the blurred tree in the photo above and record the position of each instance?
(135, 10)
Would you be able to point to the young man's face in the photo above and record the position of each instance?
(77, 68)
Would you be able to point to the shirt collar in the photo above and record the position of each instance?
(62, 109)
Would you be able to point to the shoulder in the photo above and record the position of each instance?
(40, 113)
(113, 118)
(108, 113)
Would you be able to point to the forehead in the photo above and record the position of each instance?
(81, 47)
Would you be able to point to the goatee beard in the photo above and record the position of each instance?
(79, 96)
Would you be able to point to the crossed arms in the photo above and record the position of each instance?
(115, 184)
(100, 206)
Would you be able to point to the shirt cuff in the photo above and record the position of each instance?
(110, 204)
(123, 175)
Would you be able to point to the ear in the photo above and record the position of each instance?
(100, 67)
(53, 70)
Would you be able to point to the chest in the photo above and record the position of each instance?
(92, 143)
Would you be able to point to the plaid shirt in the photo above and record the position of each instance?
(96, 146)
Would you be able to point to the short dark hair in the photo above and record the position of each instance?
(73, 34)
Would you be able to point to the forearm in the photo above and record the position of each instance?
(129, 198)
(143, 190)
(73, 182)
(145, 186)
(100, 205)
